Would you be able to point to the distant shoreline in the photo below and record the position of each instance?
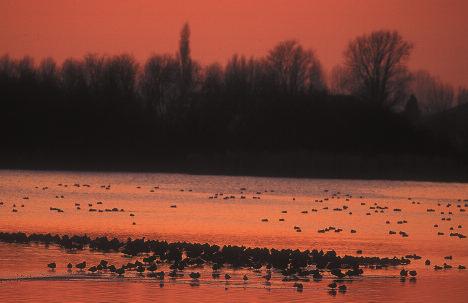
(281, 165)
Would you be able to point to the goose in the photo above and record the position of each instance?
(52, 265)
(81, 265)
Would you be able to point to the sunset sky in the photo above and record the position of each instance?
(64, 28)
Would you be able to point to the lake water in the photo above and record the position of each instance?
(210, 209)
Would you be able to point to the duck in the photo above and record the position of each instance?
(120, 271)
(81, 265)
(332, 285)
(152, 267)
(52, 265)
(298, 286)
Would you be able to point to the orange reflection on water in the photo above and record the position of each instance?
(197, 218)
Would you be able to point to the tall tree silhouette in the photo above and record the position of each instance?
(185, 61)
(377, 64)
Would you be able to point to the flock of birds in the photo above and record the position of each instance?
(151, 267)
(291, 272)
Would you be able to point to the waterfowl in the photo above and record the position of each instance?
(52, 265)
(298, 286)
(317, 276)
(152, 267)
(120, 271)
(215, 275)
(337, 272)
(103, 264)
(81, 265)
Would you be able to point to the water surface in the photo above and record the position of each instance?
(210, 209)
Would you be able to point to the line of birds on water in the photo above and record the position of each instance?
(150, 266)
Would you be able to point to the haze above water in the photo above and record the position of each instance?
(202, 216)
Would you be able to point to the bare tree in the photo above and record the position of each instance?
(213, 81)
(72, 77)
(48, 80)
(237, 76)
(317, 81)
(120, 77)
(158, 83)
(377, 64)
(94, 73)
(47, 71)
(434, 96)
(26, 70)
(7, 69)
(293, 69)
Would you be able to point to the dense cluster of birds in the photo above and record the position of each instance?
(184, 253)
(184, 259)
(294, 265)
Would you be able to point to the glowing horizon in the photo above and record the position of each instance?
(220, 29)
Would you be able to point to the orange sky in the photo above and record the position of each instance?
(63, 28)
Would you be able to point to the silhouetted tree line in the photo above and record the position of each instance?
(111, 105)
